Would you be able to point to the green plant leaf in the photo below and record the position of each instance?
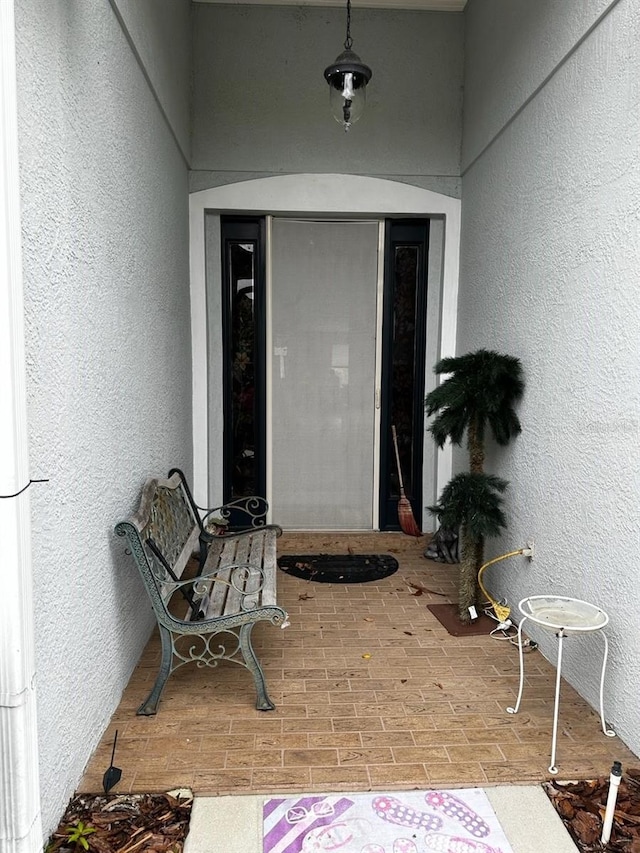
(77, 834)
(472, 501)
(482, 386)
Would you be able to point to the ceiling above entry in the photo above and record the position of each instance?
(426, 5)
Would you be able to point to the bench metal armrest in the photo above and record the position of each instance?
(238, 575)
(253, 507)
(250, 511)
(209, 537)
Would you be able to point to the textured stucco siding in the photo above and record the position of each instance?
(513, 47)
(261, 104)
(549, 273)
(161, 34)
(105, 242)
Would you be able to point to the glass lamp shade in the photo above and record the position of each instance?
(347, 79)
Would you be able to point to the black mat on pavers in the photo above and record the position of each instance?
(339, 568)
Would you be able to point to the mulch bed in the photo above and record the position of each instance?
(123, 823)
(581, 806)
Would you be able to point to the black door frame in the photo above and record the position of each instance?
(406, 231)
(403, 232)
(244, 229)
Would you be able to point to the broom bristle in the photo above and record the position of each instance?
(406, 519)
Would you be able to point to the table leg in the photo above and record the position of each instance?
(554, 738)
(607, 732)
(514, 710)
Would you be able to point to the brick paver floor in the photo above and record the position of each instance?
(371, 693)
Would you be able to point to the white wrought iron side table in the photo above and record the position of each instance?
(564, 616)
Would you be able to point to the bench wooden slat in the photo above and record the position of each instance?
(255, 581)
(233, 603)
(270, 568)
(166, 590)
(218, 560)
(191, 545)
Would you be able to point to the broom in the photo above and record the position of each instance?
(405, 513)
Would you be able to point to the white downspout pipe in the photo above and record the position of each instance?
(20, 820)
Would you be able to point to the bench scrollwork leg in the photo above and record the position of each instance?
(263, 702)
(150, 704)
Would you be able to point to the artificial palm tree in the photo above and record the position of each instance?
(472, 504)
(480, 392)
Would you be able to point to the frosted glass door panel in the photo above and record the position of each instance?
(324, 279)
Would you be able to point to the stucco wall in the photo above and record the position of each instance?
(549, 273)
(160, 31)
(261, 104)
(512, 48)
(105, 225)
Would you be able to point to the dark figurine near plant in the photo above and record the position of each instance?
(480, 391)
(443, 546)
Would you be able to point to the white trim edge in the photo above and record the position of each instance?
(310, 194)
(20, 818)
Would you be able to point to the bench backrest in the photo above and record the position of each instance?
(166, 517)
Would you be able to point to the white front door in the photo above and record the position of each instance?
(323, 311)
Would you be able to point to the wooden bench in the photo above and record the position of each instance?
(234, 588)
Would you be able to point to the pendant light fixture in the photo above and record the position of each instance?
(347, 78)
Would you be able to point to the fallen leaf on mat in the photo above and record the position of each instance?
(368, 618)
(304, 596)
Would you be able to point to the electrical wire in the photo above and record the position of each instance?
(501, 610)
(23, 489)
(502, 631)
(506, 630)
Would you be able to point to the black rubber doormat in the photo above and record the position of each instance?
(339, 568)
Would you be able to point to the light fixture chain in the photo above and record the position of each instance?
(348, 41)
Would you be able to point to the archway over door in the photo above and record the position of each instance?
(305, 195)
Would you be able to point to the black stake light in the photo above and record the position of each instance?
(347, 78)
(112, 774)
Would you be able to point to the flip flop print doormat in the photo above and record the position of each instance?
(460, 821)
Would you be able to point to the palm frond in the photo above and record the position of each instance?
(444, 396)
(472, 501)
(483, 385)
(448, 424)
(504, 424)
